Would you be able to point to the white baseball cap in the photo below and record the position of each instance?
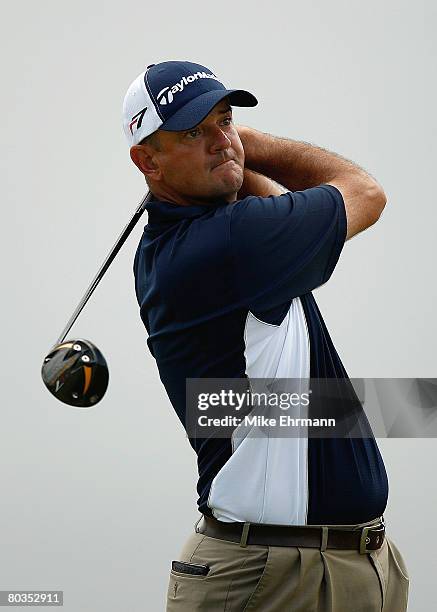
(174, 96)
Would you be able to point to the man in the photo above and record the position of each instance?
(223, 276)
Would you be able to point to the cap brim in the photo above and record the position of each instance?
(196, 110)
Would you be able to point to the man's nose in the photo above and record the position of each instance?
(219, 140)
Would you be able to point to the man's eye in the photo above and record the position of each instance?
(227, 120)
(193, 133)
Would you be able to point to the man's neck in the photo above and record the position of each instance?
(167, 195)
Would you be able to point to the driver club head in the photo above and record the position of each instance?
(76, 373)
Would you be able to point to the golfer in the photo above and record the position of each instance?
(224, 275)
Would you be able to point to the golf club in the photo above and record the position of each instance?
(75, 371)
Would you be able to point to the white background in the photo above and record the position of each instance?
(98, 502)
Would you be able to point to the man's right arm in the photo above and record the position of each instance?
(299, 166)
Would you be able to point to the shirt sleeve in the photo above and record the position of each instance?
(285, 246)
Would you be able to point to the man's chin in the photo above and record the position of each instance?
(229, 194)
(231, 184)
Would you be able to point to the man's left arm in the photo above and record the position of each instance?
(255, 184)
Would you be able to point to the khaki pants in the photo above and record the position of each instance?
(288, 579)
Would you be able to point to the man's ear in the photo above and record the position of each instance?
(144, 159)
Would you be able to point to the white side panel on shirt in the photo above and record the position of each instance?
(266, 479)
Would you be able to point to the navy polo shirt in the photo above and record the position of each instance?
(225, 292)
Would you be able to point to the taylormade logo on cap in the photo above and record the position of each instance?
(174, 96)
(186, 80)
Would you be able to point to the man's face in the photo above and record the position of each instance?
(203, 164)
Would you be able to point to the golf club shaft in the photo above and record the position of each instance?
(111, 256)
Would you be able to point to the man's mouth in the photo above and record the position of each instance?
(225, 161)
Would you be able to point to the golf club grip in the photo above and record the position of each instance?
(111, 256)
